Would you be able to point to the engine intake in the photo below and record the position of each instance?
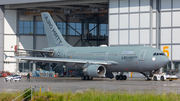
(95, 71)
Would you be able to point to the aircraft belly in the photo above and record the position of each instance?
(114, 68)
(128, 65)
(125, 66)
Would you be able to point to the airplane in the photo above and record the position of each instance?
(97, 61)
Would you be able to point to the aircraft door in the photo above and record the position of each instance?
(142, 55)
(65, 53)
(106, 55)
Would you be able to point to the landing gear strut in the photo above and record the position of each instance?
(86, 77)
(121, 77)
(148, 75)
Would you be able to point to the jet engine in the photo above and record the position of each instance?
(95, 70)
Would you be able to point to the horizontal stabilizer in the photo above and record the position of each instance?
(5, 56)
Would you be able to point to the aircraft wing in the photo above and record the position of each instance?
(66, 60)
(43, 51)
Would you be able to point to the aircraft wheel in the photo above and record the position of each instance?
(162, 78)
(117, 77)
(11, 80)
(155, 78)
(86, 77)
(82, 77)
(146, 78)
(91, 78)
(120, 77)
(124, 77)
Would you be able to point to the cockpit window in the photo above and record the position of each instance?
(157, 54)
(161, 54)
(154, 54)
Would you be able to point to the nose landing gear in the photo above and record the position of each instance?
(148, 78)
(148, 75)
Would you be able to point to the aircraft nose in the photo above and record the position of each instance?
(164, 61)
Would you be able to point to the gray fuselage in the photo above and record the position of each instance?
(129, 58)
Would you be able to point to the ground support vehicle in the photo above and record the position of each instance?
(13, 78)
(4, 73)
(165, 76)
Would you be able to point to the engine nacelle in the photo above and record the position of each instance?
(95, 71)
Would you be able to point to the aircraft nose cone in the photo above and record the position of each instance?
(164, 61)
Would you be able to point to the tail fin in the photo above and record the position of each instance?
(53, 35)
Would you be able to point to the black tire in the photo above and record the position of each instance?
(162, 78)
(120, 77)
(170, 80)
(146, 78)
(11, 80)
(82, 77)
(15, 80)
(20, 80)
(6, 80)
(155, 78)
(117, 77)
(124, 77)
(86, 77)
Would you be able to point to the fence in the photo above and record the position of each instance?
(25, 93)
(33, 89)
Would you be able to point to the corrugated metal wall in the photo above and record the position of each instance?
(1, 37)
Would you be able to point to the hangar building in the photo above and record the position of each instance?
(153, 23)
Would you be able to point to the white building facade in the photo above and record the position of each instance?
(153, 23)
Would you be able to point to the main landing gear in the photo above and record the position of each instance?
(121, 76)
(86, 77)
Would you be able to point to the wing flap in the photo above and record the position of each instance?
(103, 62)
(43, 51)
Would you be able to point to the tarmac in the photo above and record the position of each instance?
(73, 84)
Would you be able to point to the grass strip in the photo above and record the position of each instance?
(95, 95)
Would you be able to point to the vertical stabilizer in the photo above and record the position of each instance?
(53, 35)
